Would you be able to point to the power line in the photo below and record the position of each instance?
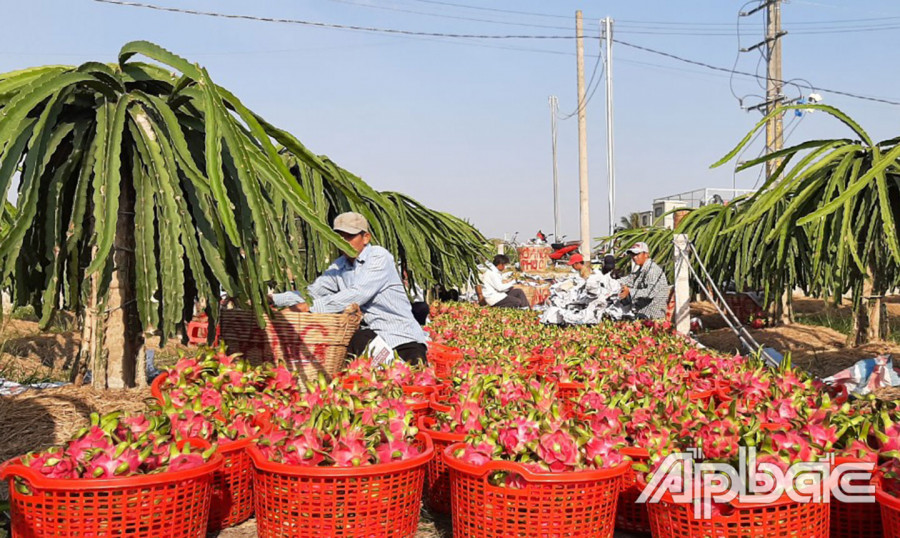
(413, 33)
(446, 16)
(329, 25)
(496, 10)
(726, 70)
(582, 105)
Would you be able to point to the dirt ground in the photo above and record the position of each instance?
(429, 527)
(821, 351)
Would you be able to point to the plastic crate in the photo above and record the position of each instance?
(172, 504)
(780, 519)
(437, 482)
(632, 516)
(578, 504)
(339, 502)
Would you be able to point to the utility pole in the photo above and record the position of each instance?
(554, 114)
(774, 98)
(774, 129)
(774, 79)
(610, 146)
(582, 147)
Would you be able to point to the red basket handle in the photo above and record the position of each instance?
(15, 469)
(493, 466)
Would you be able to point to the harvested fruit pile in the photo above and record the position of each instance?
(522, 414)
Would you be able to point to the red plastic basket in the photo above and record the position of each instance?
(443, 358)
(437, 406)
(578, 504)
(632, 516)
(174, 504)
(375, 500)
(852, 520)
(420, 409)
(533, 365)
(567, 393)
(780, 519)
(437, 482)
(890, 511)
(156, 387)
(232, 489)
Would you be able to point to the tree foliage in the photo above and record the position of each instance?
(221, 198)
(435, 248)
(825, 222)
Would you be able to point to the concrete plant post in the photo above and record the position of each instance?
(682, 285)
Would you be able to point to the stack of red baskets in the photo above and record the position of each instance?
(851, 520)
(232, 485)
(890, 511)
(782, 518)
(443, 358)
(437, 483)
(632, 516)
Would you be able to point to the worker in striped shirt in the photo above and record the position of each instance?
(370, 280)
(647, 286)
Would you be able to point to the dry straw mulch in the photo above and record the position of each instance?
(37, 419)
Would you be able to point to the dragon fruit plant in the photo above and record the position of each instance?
(337, 428)
(116, 445)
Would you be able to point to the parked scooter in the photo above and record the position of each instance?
(563, 249)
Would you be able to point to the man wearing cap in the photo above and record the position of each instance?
(647, 285)
(369, 279)
(576, 262)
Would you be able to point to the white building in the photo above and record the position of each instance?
(663, 208)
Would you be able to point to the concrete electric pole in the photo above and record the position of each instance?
(554, 114)
(774, 128)
(582, 146)
(774, 79)
(610, 146)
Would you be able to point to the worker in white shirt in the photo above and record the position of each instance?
(498, 292)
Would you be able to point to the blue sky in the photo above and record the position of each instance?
(464, 125)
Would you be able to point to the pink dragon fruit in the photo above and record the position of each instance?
(558, 450)
(52, 463)
(210, 397)
(80, 447)
(304, 449)
(281, 379)
(475, 455)
(514, 434)
(604, 451)
(395, 450)
(122, 461)
(185, 462)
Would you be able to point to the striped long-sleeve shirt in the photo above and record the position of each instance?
(372, 282)
(649, 290)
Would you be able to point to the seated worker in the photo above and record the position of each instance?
(609, 265)
(499, 293)
(647, 285)
(369, 279)
(576, 262)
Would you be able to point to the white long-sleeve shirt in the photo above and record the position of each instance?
(493, 287)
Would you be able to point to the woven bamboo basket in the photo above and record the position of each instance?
(306, 343)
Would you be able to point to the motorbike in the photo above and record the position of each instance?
(563, 249)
